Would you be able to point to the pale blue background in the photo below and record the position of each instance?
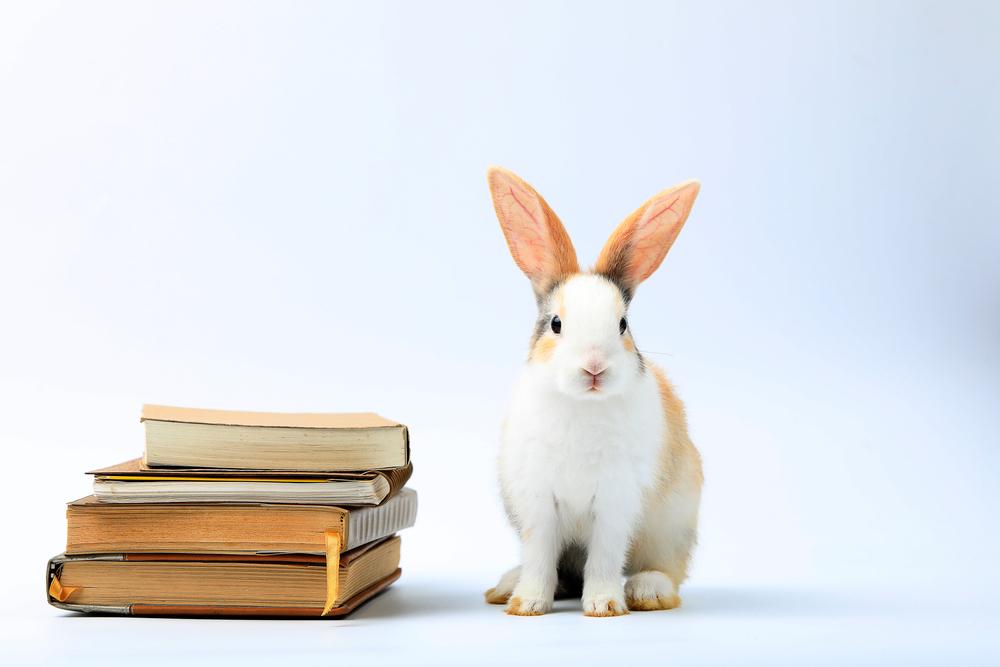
(283, 206)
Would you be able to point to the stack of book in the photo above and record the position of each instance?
(241, 514)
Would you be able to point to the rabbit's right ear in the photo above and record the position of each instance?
(537, 240)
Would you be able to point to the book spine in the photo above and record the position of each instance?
(52, 571)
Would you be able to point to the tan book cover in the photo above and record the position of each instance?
(326, 420)
(200, 438)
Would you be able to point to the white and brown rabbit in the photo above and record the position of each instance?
(597, 472)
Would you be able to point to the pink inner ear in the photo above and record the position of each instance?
(536, 238)
(668, 207)
(657, 231)
(524, 228)
(524, 208)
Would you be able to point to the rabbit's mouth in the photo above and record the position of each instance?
(594, 379)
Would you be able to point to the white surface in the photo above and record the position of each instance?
(283, 207)
(437, 621)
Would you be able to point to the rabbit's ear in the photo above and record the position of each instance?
(639, 244)
(537, 240)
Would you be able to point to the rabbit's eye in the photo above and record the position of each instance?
(622, 326)
(556, 324)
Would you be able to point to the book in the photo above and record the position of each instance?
(196, 584)
(134, 482)
(94, 527)
(192, 437)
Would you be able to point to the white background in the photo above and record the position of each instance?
(282, 206)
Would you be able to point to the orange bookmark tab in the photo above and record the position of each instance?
(60, 593)
(332, 570)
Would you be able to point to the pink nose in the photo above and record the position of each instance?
(594, 370)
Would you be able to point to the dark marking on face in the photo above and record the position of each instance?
(638, 355)
(621, 285)
(615, 274)
(542, 297)
(542, 323)
(541, 326)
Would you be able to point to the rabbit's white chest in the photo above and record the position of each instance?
(580, 455)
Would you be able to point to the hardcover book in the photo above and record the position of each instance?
(197, 438)
(94, 527)
(203, 585)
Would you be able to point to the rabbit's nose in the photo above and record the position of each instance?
(594, 369)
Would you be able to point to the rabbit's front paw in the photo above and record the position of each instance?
(528, 606)
(604, 603)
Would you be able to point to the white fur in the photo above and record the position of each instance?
(576, 466)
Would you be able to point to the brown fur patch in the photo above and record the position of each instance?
(543, 349)
(614, 260)
(679, 463)
(629, 344)
(678, 449)
(564, 260)
(493, 597)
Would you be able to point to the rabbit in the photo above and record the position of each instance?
(597, 473)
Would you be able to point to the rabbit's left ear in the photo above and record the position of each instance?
(639, 244)
(537, 240)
